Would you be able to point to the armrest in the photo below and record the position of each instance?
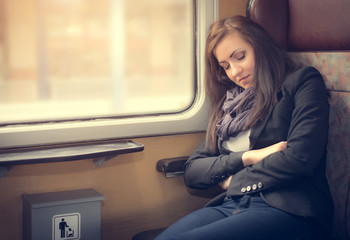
(172, 167)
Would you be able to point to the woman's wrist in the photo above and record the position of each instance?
(246, 158)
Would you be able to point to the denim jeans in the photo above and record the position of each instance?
(245, 218)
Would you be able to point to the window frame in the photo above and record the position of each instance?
(194, 119)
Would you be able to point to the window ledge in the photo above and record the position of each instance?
(98, 151)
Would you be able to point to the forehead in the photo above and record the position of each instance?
(230, 43)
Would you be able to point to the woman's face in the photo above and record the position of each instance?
(236, 57)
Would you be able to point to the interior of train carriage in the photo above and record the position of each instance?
(94, 95)
(44, 45)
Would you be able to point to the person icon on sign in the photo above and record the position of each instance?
(62, 226)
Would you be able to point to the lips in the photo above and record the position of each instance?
(243, 78)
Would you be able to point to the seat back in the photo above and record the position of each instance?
(316, 32)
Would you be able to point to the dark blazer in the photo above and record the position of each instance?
(292, 180)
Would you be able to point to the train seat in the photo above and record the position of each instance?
(315, 32)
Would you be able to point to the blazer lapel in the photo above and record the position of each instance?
(257, 129)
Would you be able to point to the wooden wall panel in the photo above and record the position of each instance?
(232, 7)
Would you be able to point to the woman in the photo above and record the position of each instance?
(265, 143)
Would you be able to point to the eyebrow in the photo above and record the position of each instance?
(233, 53)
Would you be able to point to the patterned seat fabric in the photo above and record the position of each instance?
(335, 68)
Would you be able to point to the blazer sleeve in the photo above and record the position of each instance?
(204, 170)
(306, 141)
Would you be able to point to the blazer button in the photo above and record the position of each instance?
(254, 187)
(243, 190)
(249, 188)
(260, 185)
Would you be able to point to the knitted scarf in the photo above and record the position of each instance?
(235, 117)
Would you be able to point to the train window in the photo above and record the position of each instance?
(91, 65)
(78, 59)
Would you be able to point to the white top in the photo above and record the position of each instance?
(239, 143)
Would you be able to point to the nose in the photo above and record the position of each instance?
(235, 70)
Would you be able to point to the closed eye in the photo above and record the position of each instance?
(236, 56)
(239, 55)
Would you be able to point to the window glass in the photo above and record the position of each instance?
(76, 59)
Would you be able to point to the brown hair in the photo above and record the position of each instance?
(272, 65)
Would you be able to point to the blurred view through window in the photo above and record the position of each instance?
(75, 59)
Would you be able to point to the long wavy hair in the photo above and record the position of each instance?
(272, 65)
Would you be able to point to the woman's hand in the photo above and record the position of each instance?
(224, 184)
(254, 156)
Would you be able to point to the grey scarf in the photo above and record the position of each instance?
(235, 117)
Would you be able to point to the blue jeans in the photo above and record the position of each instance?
(245, 218)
